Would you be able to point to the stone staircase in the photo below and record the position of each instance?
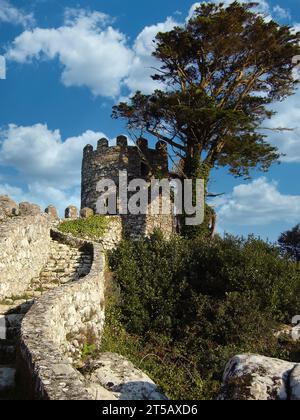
(65, 264)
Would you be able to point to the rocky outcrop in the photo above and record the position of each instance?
(253, 377)
(121, 378)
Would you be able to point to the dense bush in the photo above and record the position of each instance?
(194, 304)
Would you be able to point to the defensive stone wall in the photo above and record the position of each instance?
(53, 285)
(24, 249)
(55, 330)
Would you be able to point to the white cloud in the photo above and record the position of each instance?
(43, 196)
(288, 116)
(39, 154)
(281, 13)
(10, 14)
(143, 63)
(95, 55)
(92, 53)
(48, 166)
(256, 204)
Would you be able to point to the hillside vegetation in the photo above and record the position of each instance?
(181, 309)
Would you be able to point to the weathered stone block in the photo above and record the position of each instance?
(258, 378)
(51, 210)
(119, 376)
(29, 209)
(8, 207)
(71, 212)
(24, 249)
(86, 213)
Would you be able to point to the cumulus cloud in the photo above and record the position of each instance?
(281, 13)
(46, 164)
(288, 116)
(143, 63)
(38, 153)
(92, 53)
(256, 204)
(95, 55)
(43, 195)
(10, 14)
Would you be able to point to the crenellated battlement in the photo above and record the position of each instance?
(139, 161)
(122, 145)
(106, 161)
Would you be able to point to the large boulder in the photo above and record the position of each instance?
(119, 376)
(8, 207)
(253, 377)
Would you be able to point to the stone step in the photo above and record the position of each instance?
(7, 381)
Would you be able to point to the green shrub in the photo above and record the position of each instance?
(93, 228)
(195, 304)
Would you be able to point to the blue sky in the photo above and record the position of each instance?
(69, 62)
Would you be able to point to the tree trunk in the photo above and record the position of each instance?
(195, 169)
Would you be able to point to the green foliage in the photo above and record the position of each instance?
(225, 66)
(93, 227)
(88, 350)
(290, 243)
(185, 307)
(175, 373)
(220, 73)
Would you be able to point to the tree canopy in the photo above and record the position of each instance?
(219, 74)
(290, 243)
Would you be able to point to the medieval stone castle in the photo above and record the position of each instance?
(140, 162)
(52, 288)
(52, 297)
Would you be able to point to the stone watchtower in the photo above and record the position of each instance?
(140, 162)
